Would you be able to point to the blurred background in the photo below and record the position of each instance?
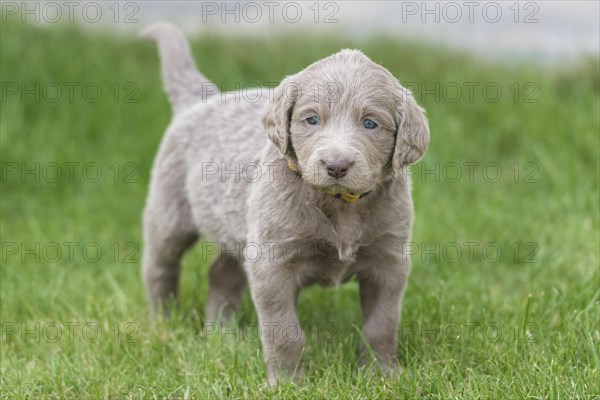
(552, 30)
(544, 31)
(504, 293)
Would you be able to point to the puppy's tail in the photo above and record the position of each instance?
(184, 84)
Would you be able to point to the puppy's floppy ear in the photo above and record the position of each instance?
(278, 112)
(413, 132)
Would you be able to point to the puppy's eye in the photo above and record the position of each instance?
(369, 124)
(312, 120)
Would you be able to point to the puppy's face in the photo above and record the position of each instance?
(347, 123)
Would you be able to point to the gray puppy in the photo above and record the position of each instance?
(303, 184)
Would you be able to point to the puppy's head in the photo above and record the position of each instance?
(347, 122)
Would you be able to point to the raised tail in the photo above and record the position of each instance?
(184, 84)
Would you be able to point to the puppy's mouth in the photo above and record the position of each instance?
(334, 189)
(346, 185)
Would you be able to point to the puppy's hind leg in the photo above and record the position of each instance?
(227, 282)
(169, 230)
(161, 268)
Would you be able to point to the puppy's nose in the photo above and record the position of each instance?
(337, 168)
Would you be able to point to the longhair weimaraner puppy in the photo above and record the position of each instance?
(303, 184)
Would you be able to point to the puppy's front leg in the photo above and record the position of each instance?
(381, 288)
(274, 292)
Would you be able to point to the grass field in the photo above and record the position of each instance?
(503, 300)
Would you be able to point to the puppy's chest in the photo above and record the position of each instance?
(325, 266)
(335, 245)
(346, 232)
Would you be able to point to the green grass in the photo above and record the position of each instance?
(544, 301)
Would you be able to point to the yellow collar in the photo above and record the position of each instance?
(347, 197)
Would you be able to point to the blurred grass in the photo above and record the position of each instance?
(557, 213)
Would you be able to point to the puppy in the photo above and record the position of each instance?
(301, 185)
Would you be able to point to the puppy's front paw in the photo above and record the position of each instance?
(277, 376)
(388, 368)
